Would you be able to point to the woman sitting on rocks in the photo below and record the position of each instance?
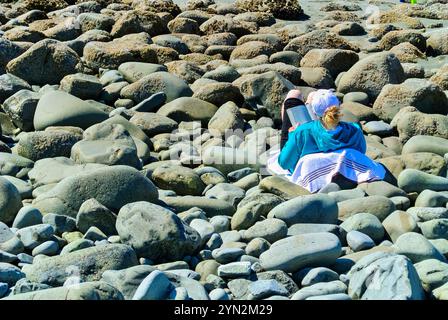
(322, 151)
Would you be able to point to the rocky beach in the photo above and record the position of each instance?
(134, 136)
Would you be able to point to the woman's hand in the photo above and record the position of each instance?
(292, 128)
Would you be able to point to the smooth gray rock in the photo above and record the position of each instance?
(10, 274)
(20, 107)
(48, 248)
(318, 208)
(261, 289)
(417, 248)
(81, 85)
(134, 71)
(27, 216)
(381, 188)
(398, 223)
(95, 290)
(334, 296)
(204, 228)
(10, 201)
(366, 223)
(58, 108)
(92, 213)
(218, 294)
(109, 144)
(319, 289)
(411, 180)
(429, 198)
(234, 269)
(35, 235)
(127, 280)
(212, 207)
(156, 233)
(14, 165)
(270, 229)
(422, 143)
(359, 241)
(343, 195)
(77, 245)
(25, 188)
(371, 74)
(112, 186)
(156, 286)
(173, 86)
(296, 252)
(53, 170)
(227, 192)
(7, 257)
(381, 276)
(227, 255)
(318, 275)
(88, 264)
(379, 206)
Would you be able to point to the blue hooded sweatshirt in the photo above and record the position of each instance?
(312, 137)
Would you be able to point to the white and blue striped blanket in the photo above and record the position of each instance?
(315, 171)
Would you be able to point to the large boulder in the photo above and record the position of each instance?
(188, 109)
(379, 206)
(89, 264)
(20, 107)
(422, 143)
(53, 142)
(134, 71)
(156, 233)
(58, 108)
(211, 207)
(423, 161)
(52, 170)
(111, 55)
(419, 93)
(334, 60)
(438, 42)
(14, 165)
(153, 123)
(411, 180)
(10, 201)
(95, 290)
(384, 276)
(46, 62)
(285, 9)
(8, 51)
(371, 74)
(410, 122)
(268, 89)
(395, 37)
(294, 253)
(182, 180)
(109, 144)
(319, 39)
(318, 208)
(227, 118)
(173, 86)
(136, 21)
(10, 85)
(111, 186)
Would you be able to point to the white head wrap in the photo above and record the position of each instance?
(322, 100)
